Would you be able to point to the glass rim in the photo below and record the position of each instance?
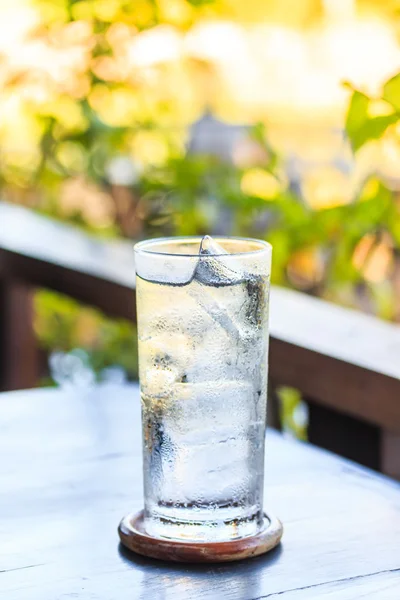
(141, 247)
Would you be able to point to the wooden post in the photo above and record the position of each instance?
(273, 409)
(345, 435)
(18, 349)
(390, 453)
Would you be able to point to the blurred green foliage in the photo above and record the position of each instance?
(199, 193)
(332, 237)
(362, 125)
(293, 412)
(62, 324)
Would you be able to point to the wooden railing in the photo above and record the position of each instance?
(346, 364)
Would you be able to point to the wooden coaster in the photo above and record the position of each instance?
(133, 536)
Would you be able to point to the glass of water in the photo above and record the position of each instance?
(202, 308)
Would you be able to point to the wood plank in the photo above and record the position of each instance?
(19, 354)
(339, 357)
(363, 393)
(382, 586)
(73, 468)
(273, 407)
(336, 332)
(51, 254)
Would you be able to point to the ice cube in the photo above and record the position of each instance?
(215, 359)
(213, 268)
(211, 271)
(211, 247)
(165, 359)
(211, 406)
(256, 301)
(217, 268)
(218, 313)
(157, 383)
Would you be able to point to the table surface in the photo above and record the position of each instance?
(70, 468)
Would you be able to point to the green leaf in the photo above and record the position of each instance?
(391, 91)
(375, 127)
(362, 128)
(357, 113)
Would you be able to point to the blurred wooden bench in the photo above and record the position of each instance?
(346, 364)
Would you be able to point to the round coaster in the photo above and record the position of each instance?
(132, 535)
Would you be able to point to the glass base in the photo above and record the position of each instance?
(184, 523)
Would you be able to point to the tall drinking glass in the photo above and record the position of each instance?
(202, 310)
